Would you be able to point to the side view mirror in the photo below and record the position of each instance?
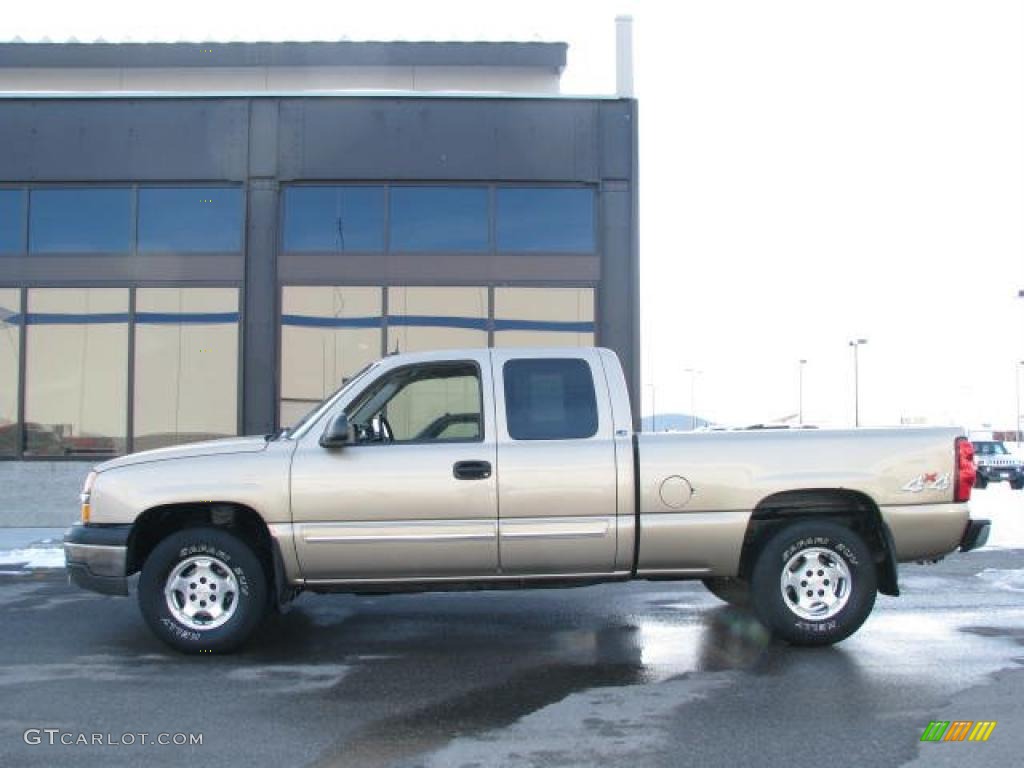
(337, 433)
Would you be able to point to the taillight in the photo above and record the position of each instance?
(966, 472)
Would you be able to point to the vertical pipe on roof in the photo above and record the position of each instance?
(624, 56)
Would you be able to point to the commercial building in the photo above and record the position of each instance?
(204, 240)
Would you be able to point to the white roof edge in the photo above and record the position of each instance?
(308, 93)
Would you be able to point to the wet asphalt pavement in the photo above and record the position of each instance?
(640, 674)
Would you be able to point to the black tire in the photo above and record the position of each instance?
(735, 592)
(838, 547)
(980, 482)
(246, 578)
(1017, 484)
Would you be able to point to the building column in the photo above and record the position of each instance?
(260, 355)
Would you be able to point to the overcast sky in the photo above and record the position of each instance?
(811, 172)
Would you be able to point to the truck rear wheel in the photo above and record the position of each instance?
(203, 590)
(735, 592)
(813, 583)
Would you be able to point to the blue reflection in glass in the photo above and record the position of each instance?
(12, 218)
(334, 219)
(546, 220)
(439, 219)
(88, 220)
(190, 219)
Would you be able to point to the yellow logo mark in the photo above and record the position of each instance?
(982, 730)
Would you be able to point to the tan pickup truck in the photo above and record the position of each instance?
(517, 468)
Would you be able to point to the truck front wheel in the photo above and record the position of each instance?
(813, 583)
(203, 590)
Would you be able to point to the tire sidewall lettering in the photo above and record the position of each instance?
(202, 548)
(839, 547)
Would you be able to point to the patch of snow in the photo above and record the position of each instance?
(1012, 580)
(33, 557)
(1005, 508)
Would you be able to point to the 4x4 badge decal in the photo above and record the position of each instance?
(928, 481)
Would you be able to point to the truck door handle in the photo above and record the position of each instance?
(472, 470)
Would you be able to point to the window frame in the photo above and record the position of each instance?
(595, 247)
(488, 221)
(491, 188)
(385, 375)
(137, 189)
(22, 192)
(385, 217)
(551, 359)
(133, 219)
(239, 352)
(21, 455)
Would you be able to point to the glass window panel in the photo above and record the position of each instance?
(12, 220)
(76, 378)
(328, 333)
(334, 219)
(422, 403)
(549, 399)
(89, 220)
(543, 317)
(439, 219)
(186, 365)
(10, 350)
(547, 220)
(201, 219)
(426, 318)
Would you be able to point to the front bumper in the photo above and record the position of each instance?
(975, 534)
(96, 557)
(997, 474)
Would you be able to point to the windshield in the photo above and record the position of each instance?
(990, 449)
(314, 412)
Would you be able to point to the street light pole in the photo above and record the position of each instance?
(654, 410)
(1016, 376)
(693, 396)
(856, 344)
(801, 408)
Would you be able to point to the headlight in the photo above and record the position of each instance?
(86, 496)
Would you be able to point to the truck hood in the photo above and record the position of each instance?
(188, 451)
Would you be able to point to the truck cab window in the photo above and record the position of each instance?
(421, 403)
(550, 399)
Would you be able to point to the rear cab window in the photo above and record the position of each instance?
(549, 399)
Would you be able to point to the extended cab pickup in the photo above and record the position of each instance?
(517, 468)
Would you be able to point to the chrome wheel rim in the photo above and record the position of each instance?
(201, 592)
(816, 583)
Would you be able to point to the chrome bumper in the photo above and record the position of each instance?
(96, 558)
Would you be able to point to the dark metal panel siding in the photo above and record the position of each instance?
(619, 292)
(106, 269)
(123, 139)
(617, 132)
(259, 359)
(471, 139)
(263, 149)
(439, 269)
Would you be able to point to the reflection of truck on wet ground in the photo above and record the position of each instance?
(996, 465)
